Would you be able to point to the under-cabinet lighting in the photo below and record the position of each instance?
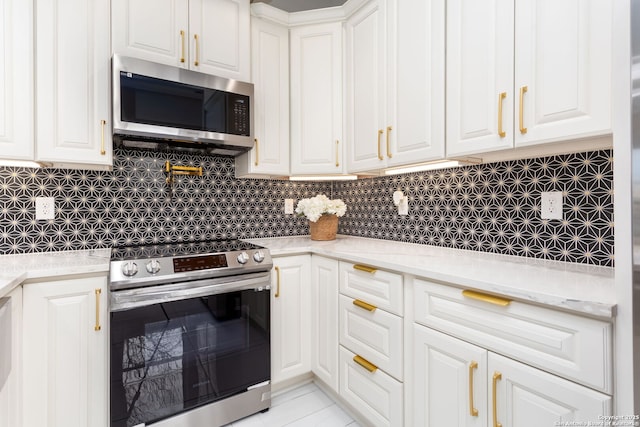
(324, 178)
(442, 164)
(21, 164)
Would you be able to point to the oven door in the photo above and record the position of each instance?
(174, 350)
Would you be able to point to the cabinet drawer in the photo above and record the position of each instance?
(378, 287)
(376, 395)
(375, 335)
(574, 347)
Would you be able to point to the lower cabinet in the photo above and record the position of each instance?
(290, 318)
(11, 367)
(65, 334)
(461, 384)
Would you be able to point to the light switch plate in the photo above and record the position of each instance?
(45, 208)
(551, 205)
(288, 206)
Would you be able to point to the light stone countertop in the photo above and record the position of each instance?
(578, 288)
(15, 269)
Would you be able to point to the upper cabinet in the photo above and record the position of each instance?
(270, 74)
(73, 95)
(535, 72)
(395, 81)
(317, 145)
(16, 80)
(209, 36)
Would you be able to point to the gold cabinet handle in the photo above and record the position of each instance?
(98, 327)
(197, 61)
(472, 367)
(102, 125)
(362, 304)
(365, 363)
(389, 129)
(337, 153)
(496, 377)
(501, 98)
(277, 269)
(257, 146)
(182, 46)
(364, 268)
(491, 299)
(380, 132)
(523, 90)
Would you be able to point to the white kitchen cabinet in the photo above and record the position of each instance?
(73, 70)
(395, 80)
(317, 144)
(11, 390)
(539, 72)
(209, 36)
(16, 80)
(65, 353)
(290, 318)
(324, 320)
(460, 384)
(270, 75)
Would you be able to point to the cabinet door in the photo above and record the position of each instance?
(316, 99)
(527, 397)
(219, 38)
(290, 318)
(155, 30)
(72, 80)
(324, 320)
(366, 87)
(479, 69)
(270, 74)
(415, 108)
(11, 390)
(563, 59)
(65, 365)
(449, 380)
(16, 79)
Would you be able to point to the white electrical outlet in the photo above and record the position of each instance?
(288, 206)
(551, 205)
(45, 208)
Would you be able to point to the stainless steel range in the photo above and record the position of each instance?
(190, 333)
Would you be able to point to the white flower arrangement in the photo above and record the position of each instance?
(319, 205)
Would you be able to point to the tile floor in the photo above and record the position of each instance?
(304, 406)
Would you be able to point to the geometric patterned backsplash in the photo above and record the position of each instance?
(494, 207)
(489, 207)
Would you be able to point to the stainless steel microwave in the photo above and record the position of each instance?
(157, 105)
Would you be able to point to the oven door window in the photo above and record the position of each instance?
(171, 357)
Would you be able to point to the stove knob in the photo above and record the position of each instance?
(243, 258)
(129, 268)
(153, 266)
(258, 256)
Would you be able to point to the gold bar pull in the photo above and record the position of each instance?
(98, 327)
(362, 304)
(365, 363)
(389, 129)
(197, 61)
(491, 299)
(277, 269)
(102, 151)
(523, 90)
(380, 132)
(496, 376)
(337, 153)
(365, 268)
(501, 98)
(472, 367)
(182, 45)
(257, 151)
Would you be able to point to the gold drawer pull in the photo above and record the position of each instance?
(496, 377)
(365, 268)
(389, 129)
(277, 269)
(365, 363)
(491, 299)
(380, 132)
(97, 327)
(501, 132)
(523, 90)
(364, 305)
(472, 367)
(182, 46)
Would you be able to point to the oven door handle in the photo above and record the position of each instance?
(141, 297)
